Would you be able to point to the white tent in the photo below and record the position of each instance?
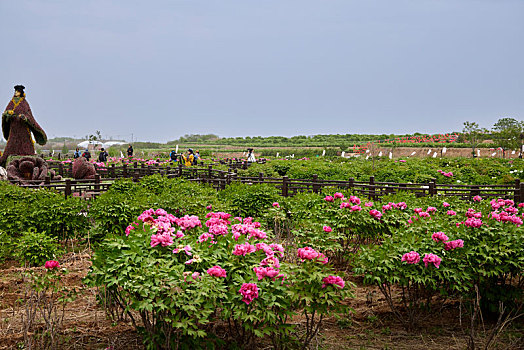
(86, 143)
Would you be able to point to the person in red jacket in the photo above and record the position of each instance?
(18, 124)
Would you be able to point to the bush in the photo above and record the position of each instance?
(180, 276)
(35, 248)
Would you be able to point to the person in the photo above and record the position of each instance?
(197, 157)
(188, 160)
(77, 153)
(130, 151)
(18, 124)
(173, 156)
(86, 155)
(102, 157)
(250, 156)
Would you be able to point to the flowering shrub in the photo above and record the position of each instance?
(186, 273)
(457, 255)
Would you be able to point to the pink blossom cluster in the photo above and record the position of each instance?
(333, 280)
(308, 253)
(431, 209)
(451, 212)
(164, 239)
(276, 205)
(327, 229)
(470, 213)
(499, 203)
(262, 272)
(329, 199)
(477, 198)
(249, 228)
(375, 213)
(446, 204)
(431, 259)
(51, 264)
(439, 237)
(338, 195)
(458, 243)
(187, 222)
(449, 174)
(218, 230)
(473, 222)
(505, 217)
(411, 258)
(249, 292)
(131, 227)
(243, 249)
(216, 271)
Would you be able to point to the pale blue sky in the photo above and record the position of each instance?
(162, 69)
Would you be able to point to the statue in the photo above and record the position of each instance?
(17, 125)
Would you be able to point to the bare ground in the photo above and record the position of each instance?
(370, 326)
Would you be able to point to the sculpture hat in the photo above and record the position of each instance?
(19, 88)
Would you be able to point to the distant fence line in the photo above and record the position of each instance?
(219, 179)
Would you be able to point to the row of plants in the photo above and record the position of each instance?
(449, 171)
(184, 279)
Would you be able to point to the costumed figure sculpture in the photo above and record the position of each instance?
(17, 125)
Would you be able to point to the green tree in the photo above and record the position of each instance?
(473, 131)
(508, 134)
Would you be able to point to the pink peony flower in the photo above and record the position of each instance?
(473, 222)
(336, 281)
(439, 237)
(327, 229)
(329, 199)
(243, 249)
(432, 259)
(458, 243)
(276, 205)
(51, 264)
(216, 271)
(411, 258)
(445, 204)
(375, 213)
(354, 200)
(451, 212)
(338, 195)
(164, 239)
(477, 198)
(209, 207)
(368, 204)
(262, 272)
(249, 292)
(307, 253)
(356, 208)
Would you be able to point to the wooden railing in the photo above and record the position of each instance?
(219, 179)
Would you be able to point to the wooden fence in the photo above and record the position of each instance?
(219, 179)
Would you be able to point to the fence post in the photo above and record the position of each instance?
(432, 187)
(67, 190)
(97, 182)
(113, 174)
(351, 182)
(47, 180)
(521, 192)
(148, 171)
(260, 177)
(372, 193)
(124, 170)
(209, 172)
(316, 186)
(135, 175)
(475, 191)
(285, 189)
(179, 169)
(223, 181)
(517, 196)
(70, 169)
(61, 169)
